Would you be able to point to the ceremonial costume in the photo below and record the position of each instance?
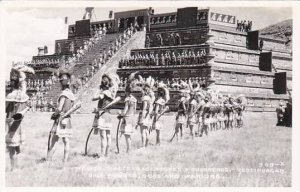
(182, 111)
(206, 117)
(221, 113)
(159, 105)
(63, 127)
(148, 99)
(105, 95)
(16, 102)
(280, 114)
(129, 120)
(192, 117)
(228, 111)
(16, 106)
(102, 121)
(145, 120)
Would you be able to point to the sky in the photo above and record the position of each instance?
(29, 28)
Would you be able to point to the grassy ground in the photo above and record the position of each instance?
(230, 157)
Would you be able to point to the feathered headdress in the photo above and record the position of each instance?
(163, 87)
(18, 72)
(18, 75)
(183, 86)
(64, 71)
(150, 82)
(131, 84)
(200, 94)
(114, 81)
(241, 99)
(132, 76)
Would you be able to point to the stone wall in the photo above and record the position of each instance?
(243, 78)
(229, 38)
(235, 56)
(275, 45)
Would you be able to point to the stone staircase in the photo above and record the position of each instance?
(85, 94)
(80, 68)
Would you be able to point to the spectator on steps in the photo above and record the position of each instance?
(104, 29)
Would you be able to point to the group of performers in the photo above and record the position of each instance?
(164, 59)
(198, 109)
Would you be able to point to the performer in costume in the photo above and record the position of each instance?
(228, 104)
(16, 106)
(145, 120)
(62, 127)
(240, 107)
(106, 94)
(129, 120)
(206, 116)
(199, 113)
(181, 112)
(192, 117)
(213, 115)
(221, 114)
(280, 114)
(159, 105)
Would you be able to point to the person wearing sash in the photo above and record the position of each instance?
(145, 120)
(103, 118)
(62, 127)
(159, 105)
(206, 116)
(181, 112)
(16, 106)
(192, 117)
(128, 114)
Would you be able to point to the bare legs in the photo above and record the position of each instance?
(157, 137)
(128, 143)
(52, 148)
(66, 142)
(105, 141)
(178, 129)
(13, 155)
(145, 135)
(205, 128)
(192, 131)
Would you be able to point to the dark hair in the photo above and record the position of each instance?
(14, 83)
(161, 92)
(128, 89)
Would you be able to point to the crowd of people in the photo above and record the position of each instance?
(243, 26)
(42, 85)
(164, 59)
(79, 54)
(163, 19)
(44, 62)
(173, 18)
(171, 83)
(38, 103)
